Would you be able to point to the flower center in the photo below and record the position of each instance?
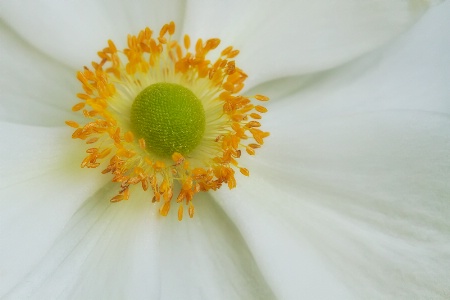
(161, 111)
(169, 117)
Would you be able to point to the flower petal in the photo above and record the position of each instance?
(358, 188)
(38, 194)
(34, 89)
(127, 251)
(29, 152)
(285, 38)
(367, 196)
(74, 31)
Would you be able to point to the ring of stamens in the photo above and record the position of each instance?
(232, 121)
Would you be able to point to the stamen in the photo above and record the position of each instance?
(72, 124)
(261, 98)
(111, 86)
(187, 41)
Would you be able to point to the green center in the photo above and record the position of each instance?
(169, 117)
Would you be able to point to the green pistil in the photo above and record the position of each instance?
(169, 117)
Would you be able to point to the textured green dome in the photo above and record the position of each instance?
(169, 117)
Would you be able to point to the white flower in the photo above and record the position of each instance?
(349, 198)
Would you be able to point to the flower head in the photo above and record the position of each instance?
(161, 113)
(348, 198)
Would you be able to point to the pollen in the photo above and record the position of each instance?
(167, 120)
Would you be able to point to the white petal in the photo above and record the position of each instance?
(368, 196)
(73, 31)
(408, 75)
(285, 38)
(34, 89)
(126, 251)
(40, 189)
(285, 252)
(29, 152)
(353, 181)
